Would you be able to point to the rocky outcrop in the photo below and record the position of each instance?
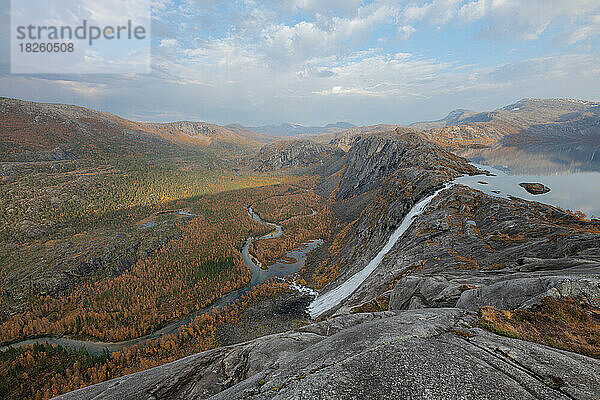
(416, 292)
(348, 138)
(466, 250)
(388, 162)
(293, 153)
(515, 293)
(535, 188)
(428, 354)
(469, 249)
(384, 175)
(507, 292)
(374, 158)
(463, 242)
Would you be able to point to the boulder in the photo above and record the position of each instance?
(517, 293)
(420, 292)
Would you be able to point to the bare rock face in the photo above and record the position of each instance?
(373, 159)
(421, 354)
(515, 293)
(348, 138)
(469, 249)
(466, 250)
(382, 178)
(421, 292)
(293, 153)
(402, 166)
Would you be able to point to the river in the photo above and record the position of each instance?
(259, 276)
(571, 190)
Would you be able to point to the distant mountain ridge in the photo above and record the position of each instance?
(454, 117)
(288, 129)
(31, 131)
(524, 123)
(38, 131)
(547, 109)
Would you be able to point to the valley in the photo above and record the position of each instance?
(246, 266)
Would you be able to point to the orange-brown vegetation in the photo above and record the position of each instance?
(466, 262)
(328, 270)
(185, 275)
(405, 272)
(33, 127)
(567, 324)
(303, 216)
(296, 231)
(182, 277)
(338, 175)
(45, 371)
(294, 203)
(379, 303)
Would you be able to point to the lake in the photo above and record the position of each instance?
(576, 191)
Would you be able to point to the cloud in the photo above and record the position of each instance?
(338, 7)
(56, 89)
(324, 36)
(525, 20)
(271, 61)
(435, 12)
(168, 43)
(516, 19)
(83, 88)
(586, 32)
(547, 69)
(406, 31)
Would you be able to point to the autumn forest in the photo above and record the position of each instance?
(179, 224)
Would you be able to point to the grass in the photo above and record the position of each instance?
(460, 333)
(378, 304)
(568, 324)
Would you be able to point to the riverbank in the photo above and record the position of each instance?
(259, 276)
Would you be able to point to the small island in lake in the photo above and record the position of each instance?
(535, 188)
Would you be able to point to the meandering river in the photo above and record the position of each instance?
(259, 276)
(576, 191)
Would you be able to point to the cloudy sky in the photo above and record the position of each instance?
(318, 61)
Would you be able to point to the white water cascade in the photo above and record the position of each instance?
(335, 296)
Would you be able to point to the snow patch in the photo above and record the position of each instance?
(334, 297)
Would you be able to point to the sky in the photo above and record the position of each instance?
(315, 61)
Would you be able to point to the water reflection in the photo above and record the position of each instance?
(577, 191)
(540, 159)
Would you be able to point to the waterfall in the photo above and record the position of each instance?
(335, 296)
